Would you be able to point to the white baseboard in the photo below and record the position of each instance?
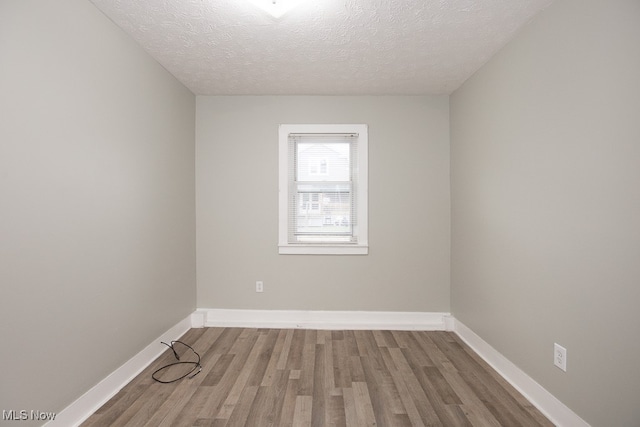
(92, 400)
(297, 319)
(557, 412)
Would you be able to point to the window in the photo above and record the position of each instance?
(323, 189)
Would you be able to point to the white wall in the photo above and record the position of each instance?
(97, 217)
(546, 204)
(407, 268)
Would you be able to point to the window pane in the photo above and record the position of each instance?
(322, 161)
(322, 214)
(323, 190)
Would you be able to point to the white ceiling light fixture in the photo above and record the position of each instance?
(276, 8)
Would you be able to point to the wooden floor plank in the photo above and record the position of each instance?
(319, 408)
(408, 403)
(242, 408)
(294, 360)
(170, 409)
(335, 411)
(292, 378)
(274, 357)
(218, 369)
(241, 348)
(350, 412)
(308, 365)
(432, 394)
(187, 414)
(286, 348)
(242, 380)
(379, 396)
(285, 418)
(364, 407)
(421, 402)
(268, 402)
(341, 364)
(475, 410)
(302, 412)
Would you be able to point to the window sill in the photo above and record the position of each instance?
(323, 250)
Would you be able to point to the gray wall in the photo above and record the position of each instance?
(97, 219)
(546, 204)
(97, 196)
(407, 268)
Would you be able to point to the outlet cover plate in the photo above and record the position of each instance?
(560, 356)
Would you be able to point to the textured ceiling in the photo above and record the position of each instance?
(322, 47)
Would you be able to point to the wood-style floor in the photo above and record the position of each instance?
(271, 377)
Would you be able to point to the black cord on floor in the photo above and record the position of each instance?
(197, 367)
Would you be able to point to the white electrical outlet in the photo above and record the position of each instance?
(259, 286)
(560, 356)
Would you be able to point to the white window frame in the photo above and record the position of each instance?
(362, 246)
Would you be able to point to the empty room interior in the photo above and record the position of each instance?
(156, 182)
